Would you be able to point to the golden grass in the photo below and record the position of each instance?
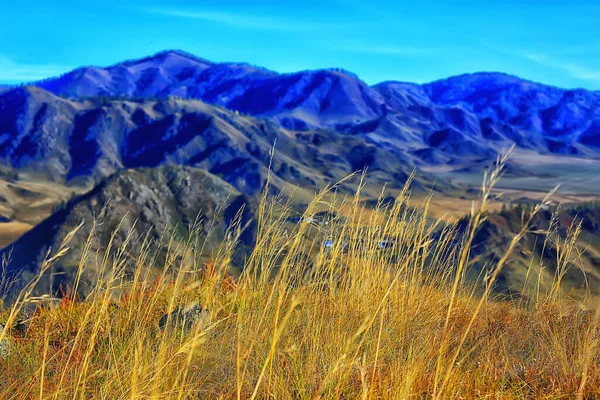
(303, 322)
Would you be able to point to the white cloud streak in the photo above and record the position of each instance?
(574, 70)
(399, 51)
(244, 21)
(364, 7)
(14, 72)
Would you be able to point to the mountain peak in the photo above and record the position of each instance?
(162, 55)
(344, 72)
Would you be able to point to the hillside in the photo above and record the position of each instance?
(139, 205)
(545, 243)
(369, 322)
(75, 141)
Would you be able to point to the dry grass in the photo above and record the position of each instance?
(303, 322)
(11, 231)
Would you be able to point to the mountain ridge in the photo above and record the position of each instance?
(334, 98)
(40, 131)
(191, 56)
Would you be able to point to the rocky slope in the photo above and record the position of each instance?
(139, 204)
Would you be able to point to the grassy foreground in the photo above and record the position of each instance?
(304, 321)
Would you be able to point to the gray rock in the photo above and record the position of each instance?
(186, 318)
(4, 344)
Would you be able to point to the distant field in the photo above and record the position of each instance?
(11, 231)
(578, 178)
(26, 202)
(29, 200)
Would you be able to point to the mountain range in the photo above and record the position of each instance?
(96, 128)
(104, 112)
(483, 109)
(81, 140)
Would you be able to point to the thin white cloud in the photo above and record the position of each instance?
(13, 72)
(400, 51)
(574, 70)
(245, 21)
(365, 7)
(584, 49)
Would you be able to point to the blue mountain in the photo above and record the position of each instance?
(459, 116)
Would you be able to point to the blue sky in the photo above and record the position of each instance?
(549, 41)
